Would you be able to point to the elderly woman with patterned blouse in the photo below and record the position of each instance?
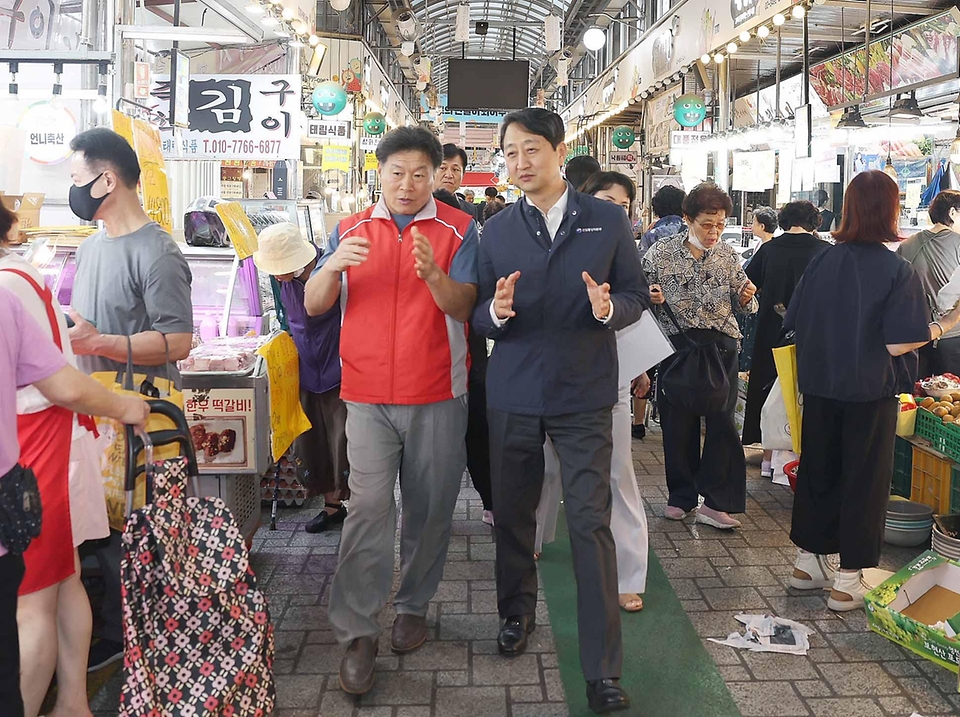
(700, 278)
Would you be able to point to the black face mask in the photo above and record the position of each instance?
(82, 203)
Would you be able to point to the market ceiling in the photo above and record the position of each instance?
(506, 19)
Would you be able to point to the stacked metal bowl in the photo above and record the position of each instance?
(946, 536)
(908, 523)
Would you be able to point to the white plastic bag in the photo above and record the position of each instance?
(774, 425)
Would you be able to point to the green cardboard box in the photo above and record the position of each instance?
(905, 607)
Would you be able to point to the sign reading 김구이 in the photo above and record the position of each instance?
(247, 117)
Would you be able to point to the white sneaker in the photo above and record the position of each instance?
(716, 518)
(847, 594)
(811, 572)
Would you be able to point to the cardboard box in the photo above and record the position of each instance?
(905, 607)
(27, 207)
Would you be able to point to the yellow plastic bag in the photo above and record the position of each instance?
(113, 444)
(785, 358)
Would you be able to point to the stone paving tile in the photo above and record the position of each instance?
(848, 672)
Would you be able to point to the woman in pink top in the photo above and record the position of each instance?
(29, 357)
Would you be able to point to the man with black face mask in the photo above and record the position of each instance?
(132, 281)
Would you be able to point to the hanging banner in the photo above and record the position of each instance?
(921, 53)
(370, 162)
(334, 157)
(754, 171)
(234, 117)
(154, 187)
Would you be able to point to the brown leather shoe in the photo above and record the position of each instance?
(409, 632)
(356, 668)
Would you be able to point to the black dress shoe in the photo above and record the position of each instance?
(606, 696)
(639, 431)
(512, 640)
(326, 520)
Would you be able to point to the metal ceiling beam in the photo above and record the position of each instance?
(918, 10)
(492, 23)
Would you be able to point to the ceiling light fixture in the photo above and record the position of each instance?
(798, 11)
(779, 19)
(719, 58)
(594, 38)
(732, 47)
(314, 40)
(705, 59)
(185, 34)
(745, 36)
(851, 119)
(339, 5)
(763, 31)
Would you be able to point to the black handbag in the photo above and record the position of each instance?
(696, 379)
(20, 509)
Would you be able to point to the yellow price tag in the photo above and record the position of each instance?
(287, 419)
(370, 162)
(239, 228)
(123, 126)
(153, 174)
(335, 157)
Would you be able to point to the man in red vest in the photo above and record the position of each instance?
(405, 272)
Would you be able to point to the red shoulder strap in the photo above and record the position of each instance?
(47, 297)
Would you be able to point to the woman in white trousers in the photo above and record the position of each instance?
(628, 521)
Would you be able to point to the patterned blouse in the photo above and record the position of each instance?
(703, 293)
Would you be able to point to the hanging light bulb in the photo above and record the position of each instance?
(594, 39)
(779, 19)
(732, 47)
(763, 31)
(339, 5)
(745, 36)
(718, 58)
(314, 40)
(705, 59)
(299, 26)
(287, 13)
(890, 170)
(798, 11)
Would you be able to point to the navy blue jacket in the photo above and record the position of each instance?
(554, 357)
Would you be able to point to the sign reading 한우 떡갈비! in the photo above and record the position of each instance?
(245, 117)
(743, 10)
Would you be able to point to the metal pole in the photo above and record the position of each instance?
(758, 93)
(779, 59)
(806, 58)
(90, 78)
(866, 50)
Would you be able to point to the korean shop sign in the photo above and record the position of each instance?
(48, 129)
(246, 117)
(327, 129)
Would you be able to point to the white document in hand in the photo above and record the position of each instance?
(641, 346)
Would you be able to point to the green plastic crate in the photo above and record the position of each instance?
(903, 469)
(945, 438)
(955, 491)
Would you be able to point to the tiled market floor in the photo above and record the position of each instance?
(849, 672)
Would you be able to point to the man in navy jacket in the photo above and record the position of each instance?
(559, 274)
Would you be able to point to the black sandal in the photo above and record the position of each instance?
(325, 521)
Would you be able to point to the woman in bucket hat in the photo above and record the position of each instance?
(286, 255)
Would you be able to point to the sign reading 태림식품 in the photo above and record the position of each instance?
(244, 117)
(327, 129)
(49, 129)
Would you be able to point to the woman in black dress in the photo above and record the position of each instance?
(776, 269)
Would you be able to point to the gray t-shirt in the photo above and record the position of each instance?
(130, 284)
(935, 256)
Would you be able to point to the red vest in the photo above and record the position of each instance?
(396, 346)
